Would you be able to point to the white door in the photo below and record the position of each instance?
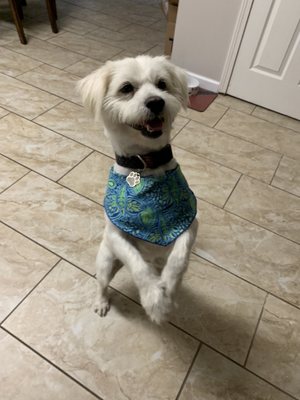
(267, 69)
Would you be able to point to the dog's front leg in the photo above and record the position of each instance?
(152, 293)
(106, 266)
(178, 260)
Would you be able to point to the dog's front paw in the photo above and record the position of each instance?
(102, 307)
(156, 303)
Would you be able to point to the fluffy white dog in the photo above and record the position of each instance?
(149, 208)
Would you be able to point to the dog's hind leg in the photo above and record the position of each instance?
(178, 260)
(106, 267)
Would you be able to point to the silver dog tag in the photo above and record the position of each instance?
(133, 179)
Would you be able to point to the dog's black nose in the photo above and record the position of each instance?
(155, 104)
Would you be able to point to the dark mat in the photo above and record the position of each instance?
(200, 100)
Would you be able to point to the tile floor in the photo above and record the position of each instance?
(236, 332)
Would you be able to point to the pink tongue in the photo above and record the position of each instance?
(154, 124)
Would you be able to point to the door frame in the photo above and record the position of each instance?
(235, 44)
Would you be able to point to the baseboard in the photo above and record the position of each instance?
(206, 83)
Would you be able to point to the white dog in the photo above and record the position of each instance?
(150, 211)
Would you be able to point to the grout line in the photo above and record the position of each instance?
(252, 222)
(46, 91)
(279, 162)
(62, 258)
(74, 166)
(44, 112)
(285, 190)
(188, 372)
(209, 159)
(185, 124)
(247, 281)
(240, 366)
(219, 119)
(26, 173)
(55, 182)
(275, 123)
(233, 189)
(30, 292)
(262, 227)
(251, 372)
(6, 46)
(51, 363)
(245, 140)
(255, 331)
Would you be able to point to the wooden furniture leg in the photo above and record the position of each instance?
(52, 14)
(17, 20)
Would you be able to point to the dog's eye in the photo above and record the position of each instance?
(127, 88)
(161, 84)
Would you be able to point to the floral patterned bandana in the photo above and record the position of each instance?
(157, 209)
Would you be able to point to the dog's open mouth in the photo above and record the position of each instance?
(152, 128)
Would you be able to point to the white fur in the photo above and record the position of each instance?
(156, 270)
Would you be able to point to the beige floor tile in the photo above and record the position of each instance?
(276, 118)
(3, 112)
(123, 40)
(287, 176)
(76, 123)
(214, 377)
(38, 148)
(24, 99)
(62, 221)
(208, 180)
(46, 52)
(178, 124)
(274, 355)
(53, 80)
(160, 25)
(108, 21)
(135, 16)
(235, 103)
(209, 117)
(39, 27)
(126, 53)
(84, 67)
(86, 46)
(263, 133)
(22, 265)
(157, 50)
(267, 206)
(76, 25)
(148, 362)
(144, 33)
(27, 376)
(89, 178)
(214, 306)
(13, 64)
(10, 172)
(232, 152)
(259, 256)
(7, 36)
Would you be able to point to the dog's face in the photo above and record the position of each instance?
(138, 99)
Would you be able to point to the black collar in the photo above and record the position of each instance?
(150, 160)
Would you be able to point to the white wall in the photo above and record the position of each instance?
(204, 30)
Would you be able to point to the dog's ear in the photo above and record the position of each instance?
(93, 88)
(179, 82)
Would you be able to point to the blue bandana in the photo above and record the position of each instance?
(158, 209)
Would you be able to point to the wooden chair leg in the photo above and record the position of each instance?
(54, 8)
(17, 20)
(51, 8)
(20, 9)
